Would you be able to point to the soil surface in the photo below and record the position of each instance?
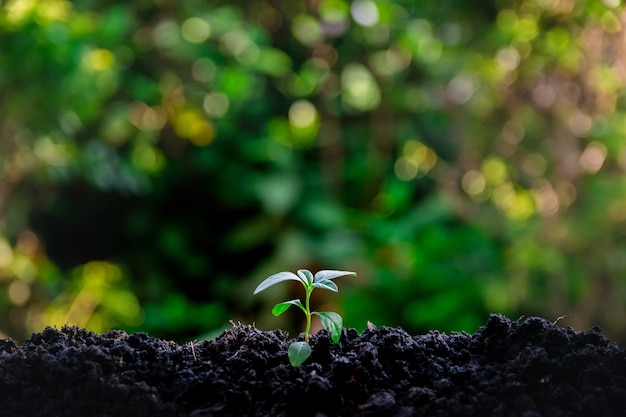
(530, 368)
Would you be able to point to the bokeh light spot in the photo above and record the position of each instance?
(191, 125)
(416, 161)
(548, 4)
(424, 157)
(52, 153)
(494, 171)
(546, 198)
(302, 114)
(6, 254)
(527, 29)
(365, 12)
(307, 30)
(145, 117)
(534, 164)
(18, 292)
(593, 157)
(405, 169)
(237, 44)
(506, 20)
(98, 60)
(147, 158)
(273, 62)
(196, 30)
(389, 62)
(579, 124)
(360, 90)
(51, 10)
(216, 104)
(508, 58)
(17, 11)
(203, 70)
(523, 206)
(166, 34)
(334, 11)
(610, 22)
(461, 88)
(473, 183)
(566, 191)
(544, 95)
(424, 44)
(611, 3)
(234, 42)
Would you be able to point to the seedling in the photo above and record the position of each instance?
(298, 352)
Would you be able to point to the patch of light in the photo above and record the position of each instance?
(461, 88)
(416, 161)
(365, 13)
(579, 124)
(508, 58)
(302, 114)
(216, 104)
(473, 183)
(593, 157)
(196, 30)
(18, 292)
(307, 30)
(98, 60)
(203, 70)
(611, 3)
(6, 253)
(360, 90)
(166, 34)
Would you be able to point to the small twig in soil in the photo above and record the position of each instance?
(560, 318)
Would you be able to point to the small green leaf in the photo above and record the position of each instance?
(306, 276)
(275, 279)
(298, 352)
(326, 285)
(327, 274)
(331, 322)
(280, 308)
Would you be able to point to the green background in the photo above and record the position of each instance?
(160, 158)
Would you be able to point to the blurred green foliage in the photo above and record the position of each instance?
(160, 158)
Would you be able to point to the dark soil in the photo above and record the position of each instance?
(527, 369)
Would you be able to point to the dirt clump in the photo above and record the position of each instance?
(530, 368)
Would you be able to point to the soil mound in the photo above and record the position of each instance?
(528, 369)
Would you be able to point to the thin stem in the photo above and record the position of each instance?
(307, 313)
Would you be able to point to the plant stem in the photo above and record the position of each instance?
(308, 314)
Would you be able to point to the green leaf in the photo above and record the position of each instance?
(275, 279)
(331, 322)
(298, 352)
(280, 308)
(306, 276)
(326, 285)
(328, 274)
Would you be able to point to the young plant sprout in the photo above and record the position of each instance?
(298, 352)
